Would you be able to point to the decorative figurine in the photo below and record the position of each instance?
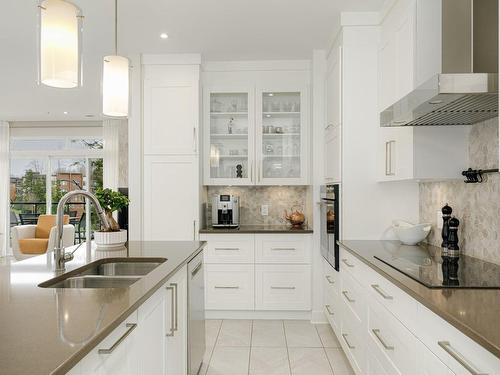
(239, 171)
(446, 210)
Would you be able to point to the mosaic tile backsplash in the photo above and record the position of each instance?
(477, 206)
(278, 198)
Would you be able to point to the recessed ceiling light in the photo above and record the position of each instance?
(65, 112)
(164, 35)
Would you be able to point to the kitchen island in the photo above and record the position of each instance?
(49, 330)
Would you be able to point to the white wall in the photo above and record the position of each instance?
(369, 206)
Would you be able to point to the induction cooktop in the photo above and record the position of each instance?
(445, 272)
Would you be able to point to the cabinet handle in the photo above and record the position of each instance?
(283, 287)
(251, 176)
(387, 172)
(196, 269)
(329, 279)
(227, 248)
(194, 230)
(376, 332)
(283, 249)
(345, 293)
(131, 327)
(227, 287)
(347, 263)
(327, 307)
(176, 321)
(344, 336)
(172, 312)
(381, 292)
(459, 358)
(195, 144)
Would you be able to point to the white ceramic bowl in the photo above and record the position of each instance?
(110, 240)
(411, 234)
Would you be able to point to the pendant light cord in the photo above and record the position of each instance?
(116, 27)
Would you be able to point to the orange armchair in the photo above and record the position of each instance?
(31, 240)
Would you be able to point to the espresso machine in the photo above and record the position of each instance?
(225, 211)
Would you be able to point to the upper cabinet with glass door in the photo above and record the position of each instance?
(229, 137)
(282, 133)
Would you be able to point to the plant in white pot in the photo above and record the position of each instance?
(111, 201)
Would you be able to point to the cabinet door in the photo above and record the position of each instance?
(229, 136)
(333, 152)
(429, 364)
(282, 130)
(334, 89)
(176, 323)
(171, 108)
(170, 198)
(117, 353)
(150, 335)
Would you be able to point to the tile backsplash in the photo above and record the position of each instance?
(278, 198)
(477, 206)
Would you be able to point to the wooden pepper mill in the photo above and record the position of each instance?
(446, 211)
(453, 248)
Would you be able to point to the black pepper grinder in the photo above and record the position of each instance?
(446, 211)
(453, 249)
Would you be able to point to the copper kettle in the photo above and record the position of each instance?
(295, 217)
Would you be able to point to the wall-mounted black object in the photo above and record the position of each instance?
(446, 211)
(476, 175)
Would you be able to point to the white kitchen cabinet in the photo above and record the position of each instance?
(288, 249)
(422, 153)
(176, 314)
(150, 335)
(282, 287)
(229, 117)
(170, 109)
(262, 131)
(229, 286)
(170, 197)
(429, 364)
(333, 154)
(230, 249)
(118, 353)
(282, 129)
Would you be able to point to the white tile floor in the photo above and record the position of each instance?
(272, 347)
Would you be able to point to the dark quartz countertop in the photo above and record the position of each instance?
(248, 229)
(48, 330)
(474, 312)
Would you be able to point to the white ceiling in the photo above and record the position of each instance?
(218, 29)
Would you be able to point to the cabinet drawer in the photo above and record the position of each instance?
(353, 339)
(354, 297)
(282, 249)
(350, 263)
(229, 248)
(400, 304)
(229, 287)
(429, 364)
(391, 342)
(331, 278)
(332, 311)
(282, 287)
(457, 351)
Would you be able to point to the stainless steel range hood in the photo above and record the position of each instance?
(467, 90)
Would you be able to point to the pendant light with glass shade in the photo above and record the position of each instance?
(60, 30)
(115, 80)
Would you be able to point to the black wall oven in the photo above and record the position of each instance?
(330, 226)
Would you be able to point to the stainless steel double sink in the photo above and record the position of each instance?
(105, 273)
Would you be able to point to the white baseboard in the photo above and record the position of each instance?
(318, 316)
(254, 315)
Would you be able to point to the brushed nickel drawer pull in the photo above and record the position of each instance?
(347, 297)
(376, 332)
(344, 335)
(459, 358)
(327, 307)
(381, 292)
(176, 320)
(196, 269)
(283, 249)
(172, 312)
(283, 287)
(131, 327)
(347, 263)
(227, 248)
(329, 279)
(227, 287)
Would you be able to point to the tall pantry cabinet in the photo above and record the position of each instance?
(170, 120)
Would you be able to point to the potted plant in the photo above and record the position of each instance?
(111, 201)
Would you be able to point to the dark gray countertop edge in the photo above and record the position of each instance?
(466, 330)
(259, 231)
(74, 359)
